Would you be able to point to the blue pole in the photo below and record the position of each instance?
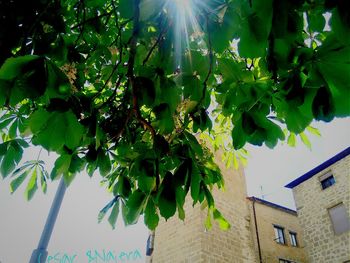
(39, 254)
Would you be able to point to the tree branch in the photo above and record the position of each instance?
(130, 72)
(211, 56)
(90, 19)
(160, 36)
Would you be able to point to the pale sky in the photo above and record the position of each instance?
(77, 231)
(273, 169)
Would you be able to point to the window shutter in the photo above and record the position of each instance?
(339, 218)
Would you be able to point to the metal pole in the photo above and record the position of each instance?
(39, 254)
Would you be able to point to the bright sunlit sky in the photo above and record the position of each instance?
(77, 231)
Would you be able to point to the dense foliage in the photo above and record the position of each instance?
(123, 88)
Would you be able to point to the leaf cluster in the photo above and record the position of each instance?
(105, 85)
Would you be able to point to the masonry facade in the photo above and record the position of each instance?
(322, 198)
(188, 242)
(276, 232)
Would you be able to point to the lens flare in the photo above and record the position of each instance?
(186, 25)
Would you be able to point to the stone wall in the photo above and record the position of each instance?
(188, 241)
(272, 251)
(312, 203)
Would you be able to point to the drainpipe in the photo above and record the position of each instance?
(256, 231)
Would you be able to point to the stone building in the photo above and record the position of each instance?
(188, 241)
(322, 198)
(276, 232)
(177, 241)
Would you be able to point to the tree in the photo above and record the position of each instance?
(122, 88)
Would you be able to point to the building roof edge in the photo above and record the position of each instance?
(319, 168)
(273, 205)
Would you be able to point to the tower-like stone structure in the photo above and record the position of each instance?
(185, 241)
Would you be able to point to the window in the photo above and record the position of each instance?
(327, 180)
(279, 234)
(339, 218)
(293, 239)
(281, 260)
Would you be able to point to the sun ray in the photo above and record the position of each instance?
(186, 26)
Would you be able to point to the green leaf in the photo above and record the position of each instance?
(208, 196)
(180, 196)
(195, 182)
(223, 223)
(194, 61)
(62, 165)
(13, 130)
(74, 131)
(13, 66)
(339, 22)
(10, 159)
(291, 139)
(239, 137)
(43, 180)
(160, 145)
(112, 219)
(68, 178)
(5, 90)
(104, 210)
(165, 122)
(104, 163)
(169, 92)
(313, 131)
(316, 21)
(32, 185)
(231, 70)
(253, 40)
(18, 181)
(38, 120)
(52, 134)
(122, 187)
(192, 87)
(23, 167)
(3, 148)
(195, 146)
(145, 91)
(76, 164)
(27, 75)
(53, 130)
(323, 107)
(305, 140)
(151, 215)
(150, 9)
(135, 206)
(126, 8)
(5, 122)
(166, 200)
(207, 223)
(146, 183)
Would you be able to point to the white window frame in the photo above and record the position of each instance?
(277, 230)
(293, 239)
